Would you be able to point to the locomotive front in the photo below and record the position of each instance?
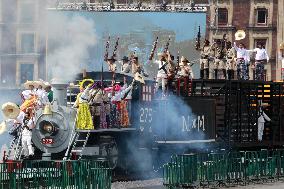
(55, 123)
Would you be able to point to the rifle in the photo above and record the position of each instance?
(197, 42)
(165, 51)
(167, 45)
(115, 48)
(177, 67)
(154, 46)
(107, 47)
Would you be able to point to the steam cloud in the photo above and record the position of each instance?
(69, 41)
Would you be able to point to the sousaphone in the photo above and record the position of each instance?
(239, 35)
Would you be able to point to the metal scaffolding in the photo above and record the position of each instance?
(138, 6)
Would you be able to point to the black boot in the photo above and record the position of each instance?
(224, 73)
(229, 74)
(207, 73)
(215, 74)
(232, 74)
(201, 74)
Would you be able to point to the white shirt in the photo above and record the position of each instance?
(161, 72)
(27, 94)
(242, 53)
(42, 94)
(261, 54)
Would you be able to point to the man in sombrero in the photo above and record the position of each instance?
(29, 95)
(41, 93)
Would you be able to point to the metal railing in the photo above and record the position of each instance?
(223, 169)
(55, 174)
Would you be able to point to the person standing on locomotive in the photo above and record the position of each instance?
(125, 67)
(48, 91)
(260, 58)
(28, 124)
(29, 95)
(205, 54)
(98, 105)
(84, 118)
(163, 71)
(136, 66)
(219, 54)
(111, 64)
(230, 56)
(185, 69)
(41, 93)
(242, 61)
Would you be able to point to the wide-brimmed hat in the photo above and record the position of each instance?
(3, 127)
(29, 83)
(125, 58)
(112, 58)
(40, 83)
(10, 110)
(139, 77)
(162, 54)
(47, 84)
(239, 35)
(183, 59)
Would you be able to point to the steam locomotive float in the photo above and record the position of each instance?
(197, 115)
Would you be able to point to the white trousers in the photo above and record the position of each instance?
(260, 130)
(162, 81)
(27, 145)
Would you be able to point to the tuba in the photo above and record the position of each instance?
(240, 34)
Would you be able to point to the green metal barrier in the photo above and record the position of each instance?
(223, 168)
(55, 174)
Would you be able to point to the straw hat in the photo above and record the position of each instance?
(183, 59)
(162, 54)
(3, 127)
(40, 83)
(138, 77)
(28, 83)
(240, 34)
(282, 46)
(10, 110)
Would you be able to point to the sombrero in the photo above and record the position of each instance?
(28, 83)
(240, 34)
(162, 54)
(10, 110)
(3, 127)
(183, 59)
(138, 77)
(40, 83)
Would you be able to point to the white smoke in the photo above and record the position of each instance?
(68, 43)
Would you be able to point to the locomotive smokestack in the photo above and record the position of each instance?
(60, 92)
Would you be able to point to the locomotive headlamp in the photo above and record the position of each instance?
(48, 128)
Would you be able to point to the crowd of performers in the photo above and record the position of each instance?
(227, 58)
(21, 119)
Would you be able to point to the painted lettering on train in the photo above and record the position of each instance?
(189, 124)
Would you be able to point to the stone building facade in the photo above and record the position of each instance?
(258, 18)
(22, 50)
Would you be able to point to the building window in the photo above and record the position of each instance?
(222, 16)
(27, 12)
(26, 72)
(261, 16)
(260, 41)
(27, 43)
